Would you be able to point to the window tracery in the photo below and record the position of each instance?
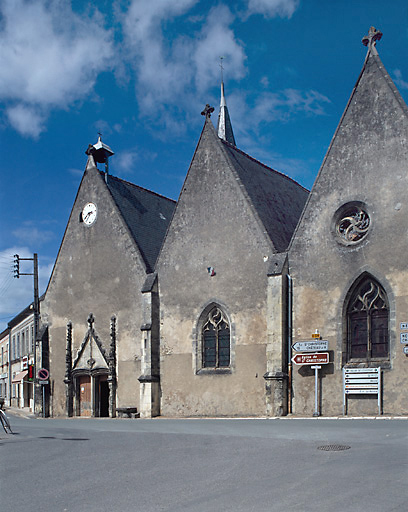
(367, 317)
(216, 340)
(353, 224)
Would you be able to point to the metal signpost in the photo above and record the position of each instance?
(43, 375)
(316, 369)
(314, 360)
(361, 381)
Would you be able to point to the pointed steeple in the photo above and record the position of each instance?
(224, 127)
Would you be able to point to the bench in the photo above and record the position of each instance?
(127, 412)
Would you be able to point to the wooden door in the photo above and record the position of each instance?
(85, 395)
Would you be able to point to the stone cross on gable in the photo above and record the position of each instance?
(373, 36)
(207, 111)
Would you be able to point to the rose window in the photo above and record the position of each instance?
(353, 224)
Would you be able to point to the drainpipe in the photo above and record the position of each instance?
(289, 335)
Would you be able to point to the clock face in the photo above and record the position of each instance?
(89, 212)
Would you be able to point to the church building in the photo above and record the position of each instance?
(250, 296)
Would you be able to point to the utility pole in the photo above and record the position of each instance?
(36, 304)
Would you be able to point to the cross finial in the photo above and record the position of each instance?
(373, 36)
(100, 135)
(222, 68)
(91, 320)
(207, 111)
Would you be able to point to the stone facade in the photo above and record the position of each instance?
(366, 169)
(99, 270)
(195, 307)
(217, 252)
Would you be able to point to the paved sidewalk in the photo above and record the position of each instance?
(15, 411)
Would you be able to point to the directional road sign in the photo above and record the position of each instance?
(309, 359)
(310, 346)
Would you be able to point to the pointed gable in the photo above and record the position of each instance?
(276, 200)
(146, 214)
(370, 142)
(364, 167)
(375, 106)
(91, 354)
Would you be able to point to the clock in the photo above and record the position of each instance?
(89, 212)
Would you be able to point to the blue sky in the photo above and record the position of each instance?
(141, 71)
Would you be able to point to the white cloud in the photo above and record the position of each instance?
(32, 235)
(76, 172)
(17, 294)
(217, 39)
(283, 105)
(49, 57)
(27, 120)
(399, 80)
(125, 161)
(170, 77)
(268, 107)
(273, 8)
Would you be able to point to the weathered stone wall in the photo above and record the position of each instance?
(213, 226)
(367, 162)
(99, 271)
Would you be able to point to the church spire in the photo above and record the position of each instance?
(224, 127)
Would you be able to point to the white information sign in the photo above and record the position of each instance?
(404, 337)
(404, 326)
(361, 381)
(311, 346)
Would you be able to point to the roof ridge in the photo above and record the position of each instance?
(387, 77)
(262, 164)
(139, 187)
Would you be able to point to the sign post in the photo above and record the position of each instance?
(361, 381)
(316, 369)
(314, 360)
(42, 376)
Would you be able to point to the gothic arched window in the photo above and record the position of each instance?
(215, 340)
(367, 322)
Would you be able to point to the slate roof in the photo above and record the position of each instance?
(277, 199)
(146, 214)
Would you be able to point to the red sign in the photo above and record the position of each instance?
(313, 358)
(43, 374)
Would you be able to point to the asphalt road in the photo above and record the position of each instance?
(89, 465)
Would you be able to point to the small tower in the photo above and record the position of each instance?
(224, 126)
(101, 152)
